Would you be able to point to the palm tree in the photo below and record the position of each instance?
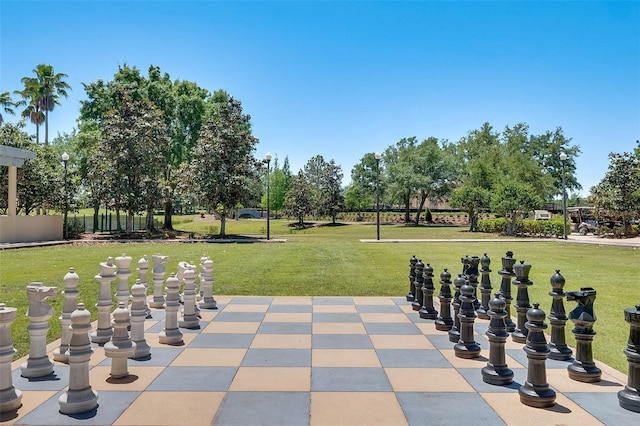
(7, 104)
(41, 94)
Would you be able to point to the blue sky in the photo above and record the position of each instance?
(342, 79)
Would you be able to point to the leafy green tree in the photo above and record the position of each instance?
(361, 194)
(222, 163)
(325, 179)
(298, 200)
(279, 184)
(473, 199)
(619, 191)
(399, 176)
(514, 200)
(30, 100)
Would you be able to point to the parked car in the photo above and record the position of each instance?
(588, 226)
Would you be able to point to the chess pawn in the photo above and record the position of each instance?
(583, 368)
(428, 311)
(454, 333)
(485, 287)
(70, 294)
(159, 271)
(10, 397)
(123, 274)
(416, 305)
(138, 315)
(120, 347)
(506, 273)
(107, 274)
(412, 278)
(466, 347)
(38, 363)
(536, 391)
(558, 318)
(143, 269)
(522, 281)
(79, 397)
(206, 285)
(629, 397)
(189, 318)
(171, 335)
(496, 372)
(444, 322)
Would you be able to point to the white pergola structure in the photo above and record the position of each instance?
(14, 228)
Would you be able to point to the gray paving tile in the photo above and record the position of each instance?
(264, 408)
(336, 317)
(349, 379)
(239, 316)
(605, 407)
(285, 328)
(222, 340)
(422, 358)
(378, 309)
(391, 328)
(474, 377)
(277, 358)
(521, 356)
(332, 301)
(440, 341)
(419, 409)
(302, 309)
(159, 357)
(157, 328)
(58, 380)
(402, 300)
(341, 341)
(251, 300)
(194, 379)
(111, 404)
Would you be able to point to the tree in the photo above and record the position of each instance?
(619, 191)
(399, 172)
(133, 134)
(361, 194)
(473, 199)
(30, 96)
(325, 180)
(279, 184)
(298, 200)
(6, 104)
(222, 163)
(514, 200)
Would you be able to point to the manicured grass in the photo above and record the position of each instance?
(331, 261)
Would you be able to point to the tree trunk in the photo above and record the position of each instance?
(150, 224)
(118, 224)
(223, 223)
(130, 218)
(422, 200)
(96, 213)
(407, 211)
(46, 127)
(168, 214)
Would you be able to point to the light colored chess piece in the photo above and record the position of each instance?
(105, 302)
(120, 347)
(79, 397)
(159, 271)
(171, 335)
(38, 363)
(10, 397)
(138, 315)
(123, 274)
(189, 317)
(143, 269)
(206, 285)
(70, 294)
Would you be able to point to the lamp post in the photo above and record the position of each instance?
(267, 158)
(65, 160)
(563, 159)
(378, 156)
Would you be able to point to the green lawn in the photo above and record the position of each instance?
(331, 261)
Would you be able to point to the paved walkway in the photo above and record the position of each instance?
(316, 361)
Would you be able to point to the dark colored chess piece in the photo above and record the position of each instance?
(496, 371)
(444, 321)
(471, 275)
(505, 287)
(629, 397)
(416, 305)
(485, 288)
(466, 347)
(583, 368)
(522, 281)
(536, 391)
(412, 278)
(558, 318)
(428, 311)
(454, 333)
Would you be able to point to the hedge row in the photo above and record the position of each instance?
(538, 228)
